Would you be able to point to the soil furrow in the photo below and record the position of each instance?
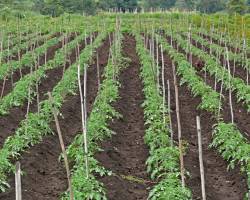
(45, 177)
(125, 153)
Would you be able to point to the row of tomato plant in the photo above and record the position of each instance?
(223, 37)
(163, 161)
(25, 88)
(209, 97)
(22, 46)
(37, 125)
(219, 50)
(28, 58)
(226, 137)
(88, 187)
(213, 66)
(13, 40)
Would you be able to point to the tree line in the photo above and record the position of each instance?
(89, 7)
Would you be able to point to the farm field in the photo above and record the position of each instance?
(108, 107)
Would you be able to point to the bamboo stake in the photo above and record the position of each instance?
(29, 99)
(85, 99)
(1, 47)
(37, 89)
(84, 117)
(163, 85)
(98, 70)
(178, 125)
(19, 59)
(62, 146)
(28, 106)
(203, 191)
(18, 181)
(157, 65)
(230, 88)
(11, 77)
(169, 112)
(190, 42)
(65, 54)
(4, 82)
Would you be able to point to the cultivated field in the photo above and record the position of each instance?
(108, 107)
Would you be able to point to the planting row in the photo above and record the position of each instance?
(36, 125)
(25, 88)
(234, 148)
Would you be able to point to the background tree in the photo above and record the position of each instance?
(237, 6)
(106, 4)
(181, 4)
(211, 6)
(127, 5)
(165, 4)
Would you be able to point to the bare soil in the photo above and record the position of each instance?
(126, 153)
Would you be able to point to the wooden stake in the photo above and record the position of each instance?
(18, 181)
(179, 125)
(230, 89)
(157, 65)
(169, 113)
(84, 116)
(163, 85)
(62, 146)
(4, 82)
(203, 191)
(98, 70)
(19, 58)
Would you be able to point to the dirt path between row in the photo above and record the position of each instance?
(125, 153)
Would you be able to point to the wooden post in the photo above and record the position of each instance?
(37, 89)
(169, 113)
(98, 70)
(19, 59)
(62, 146)
(163, 85)
(4, 82)
(203, 191)
(230, 89)
(179, 126)
(190, 45)
(18, 181)
(157, 65)
(84, 115)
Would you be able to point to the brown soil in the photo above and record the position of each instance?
(125, 153)
(220, 183)
(45, 177)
